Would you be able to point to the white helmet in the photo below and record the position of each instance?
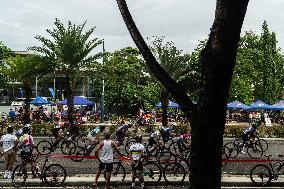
(28, 125)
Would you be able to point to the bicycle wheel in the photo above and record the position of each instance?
(129, 142)
(263, 143)
(152, 172)
(225, 155)
(255, 151)
(66, 145)
(260, 175)
(174, 173)
(165, 158)
(232, 149)
(54, 175)
(19, 176)
(77, 151)
(118, 172)
(44, 147)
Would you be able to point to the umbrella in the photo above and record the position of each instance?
(259, 105)
(171, 104)
(78, 100)
(278, 106)
(237, 105)
(39, 101)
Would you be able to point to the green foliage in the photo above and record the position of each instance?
(182, 128)
(150, 128)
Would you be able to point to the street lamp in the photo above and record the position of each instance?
(103, 92)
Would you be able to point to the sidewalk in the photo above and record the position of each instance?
(87, 180)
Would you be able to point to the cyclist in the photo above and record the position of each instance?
(166, 133)
(120, 133)
(183, 142)
(58, 134)
(152, 141)
(136, 154)
(94, 137)
(249, 135)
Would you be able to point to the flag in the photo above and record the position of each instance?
(51, 92)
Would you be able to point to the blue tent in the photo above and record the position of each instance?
(171, 104)
(39, 101)
(237, 105)
(278, 106)
(259, 105)
(78, 100)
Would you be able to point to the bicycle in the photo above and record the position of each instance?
(254, 149)
(52, 175)
(151, 170)
(45, 147)
(263, 174)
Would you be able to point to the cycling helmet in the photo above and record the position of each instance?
(138, 138)
(160, 127)
(57, 127)
(26, 129)
(27, 125)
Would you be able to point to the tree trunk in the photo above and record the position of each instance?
(28, 95)
(164, 103)
(70, 105)
(208, 118)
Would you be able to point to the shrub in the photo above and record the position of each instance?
(182, 128)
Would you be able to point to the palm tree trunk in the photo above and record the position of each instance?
(70, 105)
(28, 95)
(164, 103)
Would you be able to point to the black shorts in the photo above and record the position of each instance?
(139, 167)
(152, 141)
(107, 166)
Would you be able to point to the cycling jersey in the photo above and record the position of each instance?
(123, 127)
(155, 134)
(136, 150)
(26, 142)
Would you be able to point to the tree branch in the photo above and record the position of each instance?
(171, 85)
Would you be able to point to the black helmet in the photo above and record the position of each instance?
(138, 138)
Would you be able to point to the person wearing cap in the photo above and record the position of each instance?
(9, 143)
(136, 154)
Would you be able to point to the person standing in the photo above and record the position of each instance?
(9, 143)
(106, 158)
(136, 155)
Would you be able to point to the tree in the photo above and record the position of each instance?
(177, 64)
(217, 61)
(25, 69)
(5, 53)
(70, 49)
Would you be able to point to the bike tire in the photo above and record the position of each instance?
(77, 151)
(233, 149)
(118, 171)
(152, 172)
(263, 143)
(66, 145)
(255, 151)
(19, 176)
(260, 175)
(174, 173)
(54, 175)
(225, 155)
(166, 157)
(44, 147)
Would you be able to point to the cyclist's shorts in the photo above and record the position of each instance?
(152, 141)
(107, 166)
(119, 136)
(138, 168)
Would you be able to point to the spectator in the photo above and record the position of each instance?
(106, 159)
(12, 115)
(9, 143)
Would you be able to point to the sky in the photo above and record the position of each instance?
(184, 22)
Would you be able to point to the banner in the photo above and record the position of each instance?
(51, 92)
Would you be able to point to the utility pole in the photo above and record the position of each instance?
(103, 92)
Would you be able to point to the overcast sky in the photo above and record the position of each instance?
(182, 21)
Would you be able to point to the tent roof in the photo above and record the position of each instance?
(260, 105)
(38, 101)
(78, 100)
(171, 104)
(237, 105)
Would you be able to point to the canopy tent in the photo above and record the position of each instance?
(259, 105)
(237, 105)
(39, 101)
(171, 104)
(278, 106)
(78, 100)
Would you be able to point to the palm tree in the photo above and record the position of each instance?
(70, 50)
